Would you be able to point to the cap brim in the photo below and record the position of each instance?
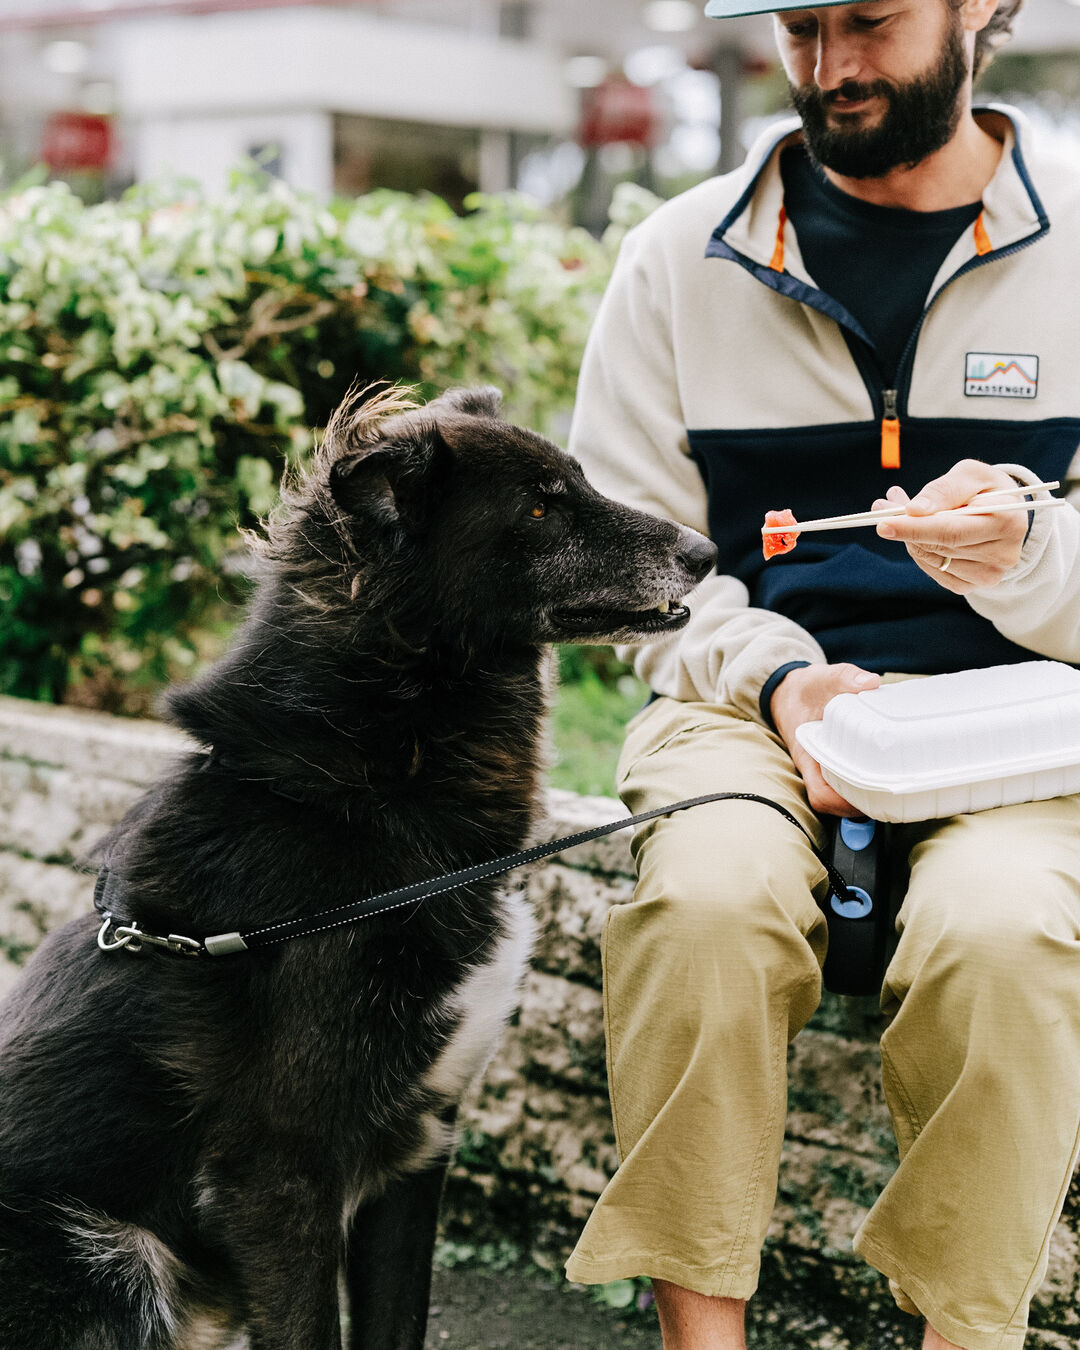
(734, 9)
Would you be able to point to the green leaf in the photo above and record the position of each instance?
(256, 480)
(619, 1294)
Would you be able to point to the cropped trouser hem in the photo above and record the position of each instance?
(714, 1282)
(967, 1337)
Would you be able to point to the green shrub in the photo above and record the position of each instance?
(597, 697)
(162, 358)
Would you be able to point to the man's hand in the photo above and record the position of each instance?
(977, 550)
(801, 697)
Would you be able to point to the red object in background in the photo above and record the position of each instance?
(76, 140)
(617, 112)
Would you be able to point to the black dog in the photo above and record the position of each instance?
(196, 1149)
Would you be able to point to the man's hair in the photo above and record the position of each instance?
(996, 33)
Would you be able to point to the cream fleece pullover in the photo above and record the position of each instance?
(732, 343)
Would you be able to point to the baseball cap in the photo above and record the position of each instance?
(732, 9)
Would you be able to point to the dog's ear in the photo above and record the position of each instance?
(484, 401)
(396, 481)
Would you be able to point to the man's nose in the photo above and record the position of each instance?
(837, 61)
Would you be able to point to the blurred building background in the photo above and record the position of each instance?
(559, 98)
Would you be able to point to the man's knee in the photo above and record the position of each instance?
(733, 889)
(995, 914)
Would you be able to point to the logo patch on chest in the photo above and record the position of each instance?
(1001, 375)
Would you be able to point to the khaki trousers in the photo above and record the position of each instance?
(716, 964)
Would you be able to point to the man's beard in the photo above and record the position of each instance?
(920, 117)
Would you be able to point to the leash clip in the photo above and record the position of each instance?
(132, 937)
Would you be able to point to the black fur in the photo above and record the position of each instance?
(207, 1145)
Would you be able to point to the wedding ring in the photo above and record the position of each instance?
(946, 565)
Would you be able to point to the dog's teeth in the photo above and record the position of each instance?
(665, 608)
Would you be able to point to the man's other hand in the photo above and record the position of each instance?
(801, 697)
(975, 550)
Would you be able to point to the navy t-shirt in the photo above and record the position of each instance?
(879, 262)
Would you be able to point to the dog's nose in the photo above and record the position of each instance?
(697, 554)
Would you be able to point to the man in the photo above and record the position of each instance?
(880, 304)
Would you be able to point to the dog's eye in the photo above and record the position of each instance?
(539, 511)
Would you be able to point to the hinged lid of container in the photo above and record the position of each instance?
(965, 727)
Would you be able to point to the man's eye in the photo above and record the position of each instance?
(800, 30)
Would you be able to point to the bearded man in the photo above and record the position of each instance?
(880, 305)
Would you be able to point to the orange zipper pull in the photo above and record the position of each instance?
(890, 432)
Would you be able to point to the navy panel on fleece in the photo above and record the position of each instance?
(862, 597)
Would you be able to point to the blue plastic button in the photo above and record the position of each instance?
(857, 834)
(857, 906)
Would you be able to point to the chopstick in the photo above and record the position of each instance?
(887, 511)
(872, 518)
(973, 508)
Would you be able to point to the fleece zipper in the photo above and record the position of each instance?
(891, 404)
(890, 429)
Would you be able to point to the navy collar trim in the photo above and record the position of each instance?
(744, 200)
(785, 284)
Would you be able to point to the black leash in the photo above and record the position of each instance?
(117, 933)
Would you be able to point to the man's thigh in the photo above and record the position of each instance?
(725, 854)
(1013, 871)
(993, 900)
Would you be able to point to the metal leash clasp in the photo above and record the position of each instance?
(131, 937)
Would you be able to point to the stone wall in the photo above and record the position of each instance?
(537, 1144)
